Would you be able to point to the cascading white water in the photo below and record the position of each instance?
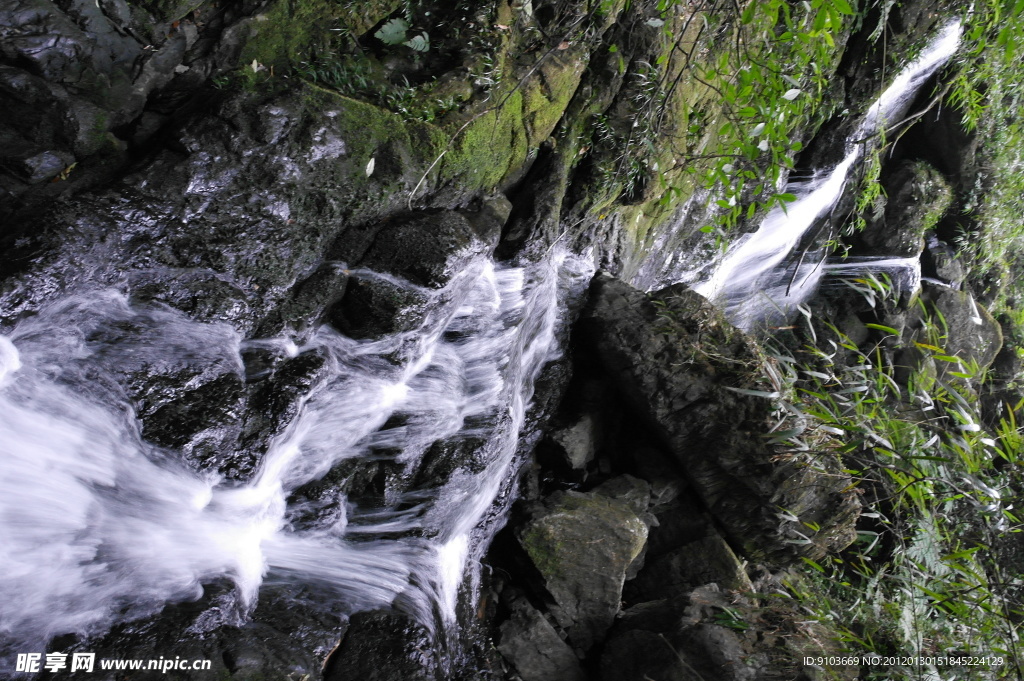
(753, 282)
(97, 525)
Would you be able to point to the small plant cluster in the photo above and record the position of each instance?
(718, 110)
(355, 77)
(395, 64)
(770, 83)
(633, 148)
(922, 579)
(764, 67)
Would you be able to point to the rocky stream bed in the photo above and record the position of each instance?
(208, 245)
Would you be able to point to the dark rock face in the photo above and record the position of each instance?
(374, 308)
(426, 250)
(291, 631)
(704, 561)
(916, 197)
(383, 646)
(679, 363)
(80, 80)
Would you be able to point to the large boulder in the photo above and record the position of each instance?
(695, 379)
(971, 332)
(583, 545)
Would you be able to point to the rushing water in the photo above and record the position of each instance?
(757, 280)
(97, 525)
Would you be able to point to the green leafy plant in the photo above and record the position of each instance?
(921, 581)
(396, 32)
(393, 32)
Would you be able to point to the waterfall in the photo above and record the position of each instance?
(98, 526)
(756, 282)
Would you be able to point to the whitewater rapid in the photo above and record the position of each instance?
(98, 526)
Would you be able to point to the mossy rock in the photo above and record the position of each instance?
(917, 196)
(289, 32)
(582, 545)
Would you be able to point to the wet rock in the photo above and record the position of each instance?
(182, 421)
(302, 311)
(184, 380)
(374, 308)
(75, 75)
(383, 646)
(916, 197)
(679, 365)
(582, 545)
(287, 636)
(531, 645)
(453, 456)
(204, 296)
(275, 402)
(322, 504)
(426, 249)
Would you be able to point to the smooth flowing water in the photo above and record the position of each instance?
(757, 280)
(97, 525)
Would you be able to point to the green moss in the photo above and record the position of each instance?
(546, 98)
(490, 147)
(497, 144)
(936, 195)
(367, 128)
(292, 31)
(544, 549)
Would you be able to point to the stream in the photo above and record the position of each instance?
(98, 526)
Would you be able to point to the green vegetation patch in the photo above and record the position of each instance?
(922, 579)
